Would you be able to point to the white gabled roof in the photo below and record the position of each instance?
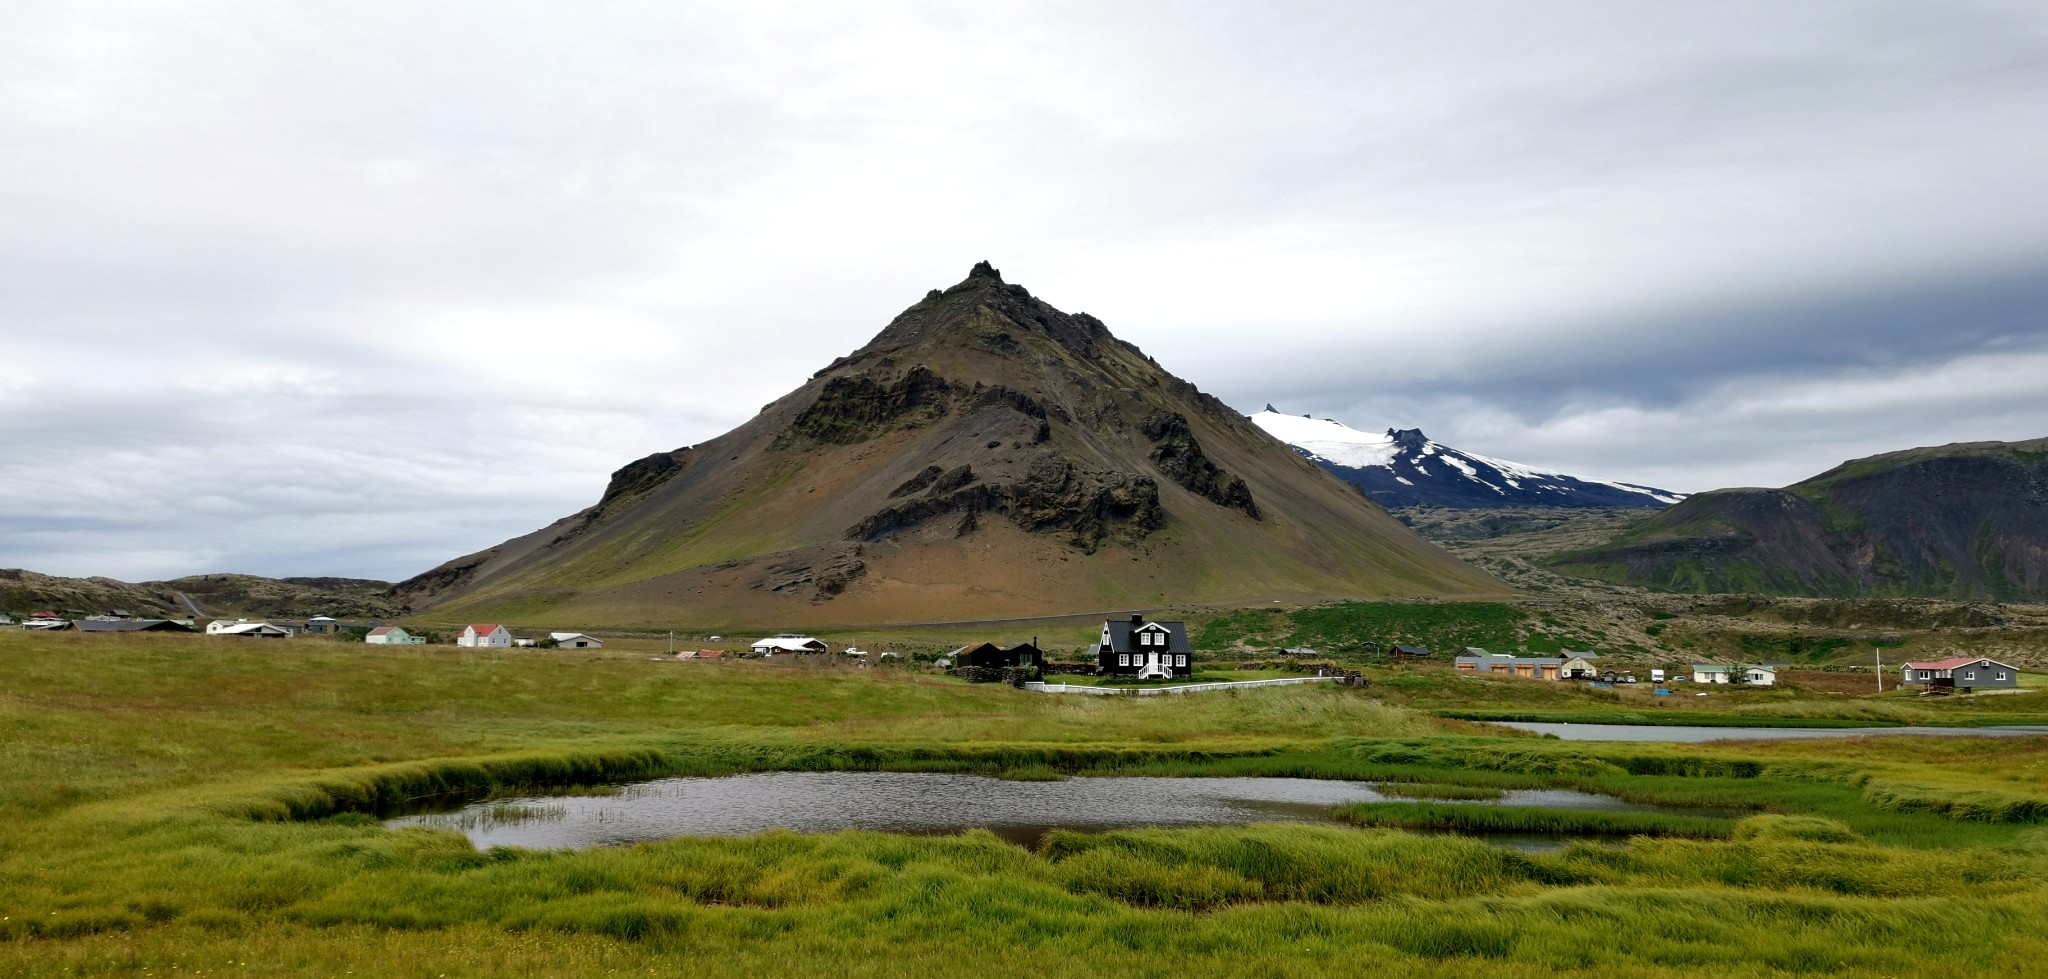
(788, 641)
(245, 627)
(566, 636)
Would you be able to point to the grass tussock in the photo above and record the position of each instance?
(1461, 818)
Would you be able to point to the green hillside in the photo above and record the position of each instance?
(1964, 521)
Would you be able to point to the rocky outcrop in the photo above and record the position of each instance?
(859, 407)
(641, 476)
(1051, 495)
(1177, 454)
(820, 574)
(421, 589)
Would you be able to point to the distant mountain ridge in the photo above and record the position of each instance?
(1404, 468)
(212, 594)
(1966, 521)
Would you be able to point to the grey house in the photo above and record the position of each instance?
(1966, 674)
(1479, 660)
(1147, 650)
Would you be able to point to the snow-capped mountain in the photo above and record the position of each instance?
(1404, 468)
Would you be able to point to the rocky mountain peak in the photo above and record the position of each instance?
(1408, 438)
(985, 453)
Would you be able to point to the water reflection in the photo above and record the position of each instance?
(919, 803)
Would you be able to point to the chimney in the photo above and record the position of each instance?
(1137, 619)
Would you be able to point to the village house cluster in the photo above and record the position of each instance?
(1578, 665)
(1131, 647)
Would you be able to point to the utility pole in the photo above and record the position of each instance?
(1879, 652)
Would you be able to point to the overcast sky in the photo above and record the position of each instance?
(354, 288)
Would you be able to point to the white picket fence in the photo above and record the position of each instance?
(1183, 688)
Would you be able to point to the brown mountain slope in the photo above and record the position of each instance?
(1968, 520)
(985, 455)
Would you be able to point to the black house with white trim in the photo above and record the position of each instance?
(1146, 650)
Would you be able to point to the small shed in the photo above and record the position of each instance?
(391, 635)
(1411, 652)
(575, 640)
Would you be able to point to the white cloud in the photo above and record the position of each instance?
(1768, 429)
(443, 266)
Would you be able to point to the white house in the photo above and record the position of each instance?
(391, 635)
(575, 640)
(788, 642)
(488, 635)
(1760, 676)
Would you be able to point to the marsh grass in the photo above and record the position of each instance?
(1439, 790)
(1530, 819)
(186, 806)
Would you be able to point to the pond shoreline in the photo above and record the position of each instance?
(1608, 731)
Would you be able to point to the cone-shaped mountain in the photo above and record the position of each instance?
(984, 456)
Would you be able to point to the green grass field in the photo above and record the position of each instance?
(184, 806)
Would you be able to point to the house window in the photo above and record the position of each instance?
(2001, 674)
(1972, 675)
(1182, 660)
(1123, 659)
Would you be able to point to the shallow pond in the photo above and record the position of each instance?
(1672, 732)
(931, 804)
